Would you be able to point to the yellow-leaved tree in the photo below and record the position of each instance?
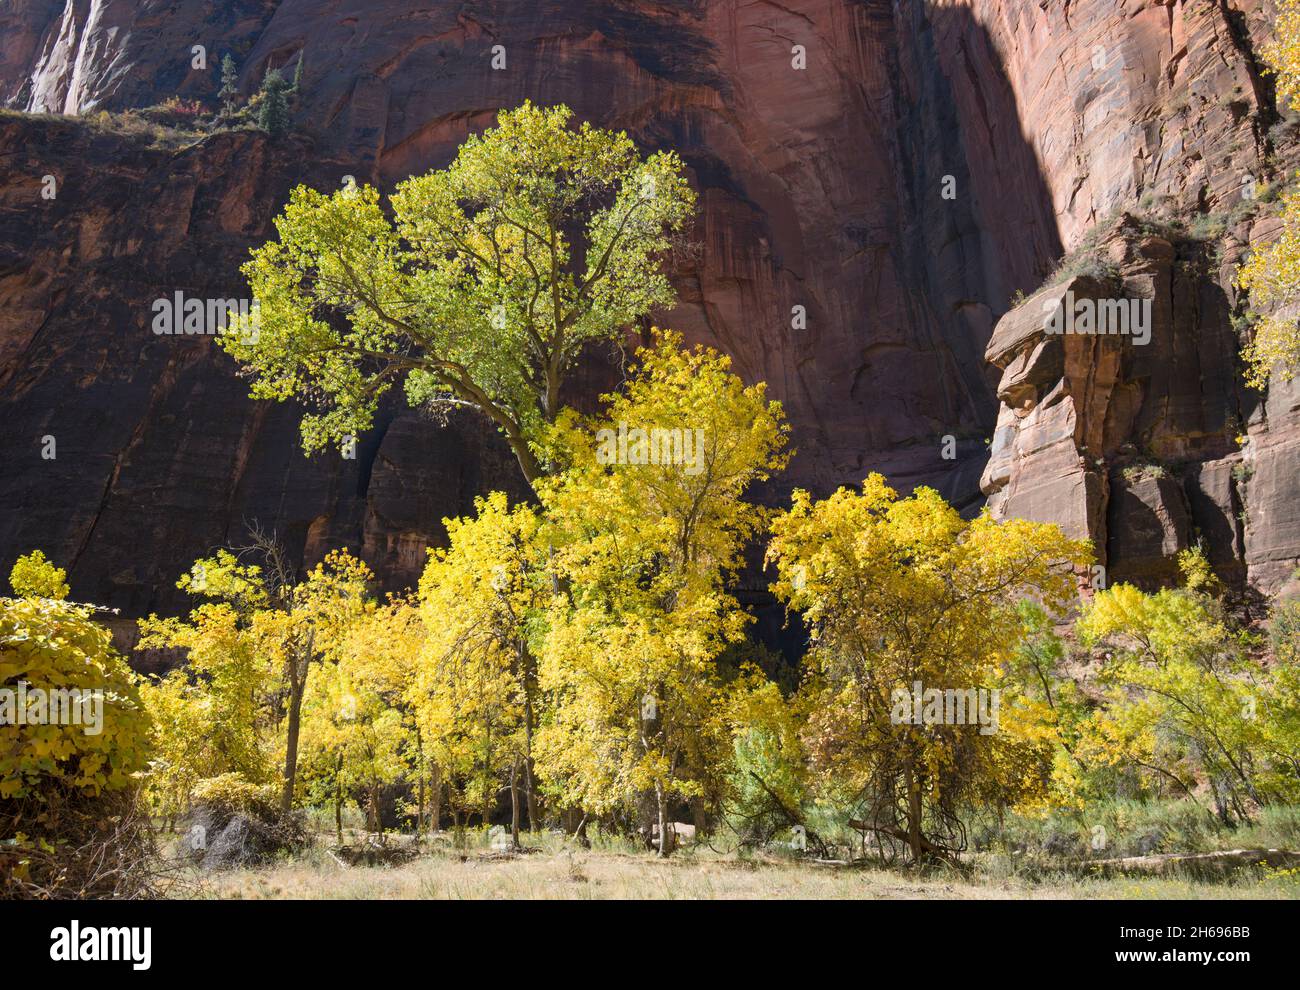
(210, 716)
(647, 520)
(476, 689)
(359, 732)
(913, 615)
(251, 645)
(1272, 273)
(70, 715)
(1186, 702)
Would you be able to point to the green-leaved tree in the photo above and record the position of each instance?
(480, 286)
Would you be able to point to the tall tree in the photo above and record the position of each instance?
(648, 521)
(253, 643)
(229, 91)
(1186, 701)
(482, 288)
(358, 729)
(273, 111)
(904, 597)
(476, 691)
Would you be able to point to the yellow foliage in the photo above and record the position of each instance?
(35, 577)
(82, 726)
(475, 688)
(905, 597)
(642, 547)
(1272, 273)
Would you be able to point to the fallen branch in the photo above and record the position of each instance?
(1196, 864)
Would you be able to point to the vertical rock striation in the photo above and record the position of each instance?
(822, 192)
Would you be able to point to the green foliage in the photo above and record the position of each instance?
(585, 652)
(273, 110)
(483, 287)
(768, 781)
(229, 92)
(1112, 827)
(1186, 701)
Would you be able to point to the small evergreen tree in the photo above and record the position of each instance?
(273, 112)
(229, 91)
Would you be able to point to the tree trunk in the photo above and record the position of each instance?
(419, 772)
(297, 683)
(913, 812)
(376, 822)
(580, 833)
(533, 823)
(514, 805)
(338, 799)
(661, 804)
(435, 798)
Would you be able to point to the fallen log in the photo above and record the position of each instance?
(1211, 864)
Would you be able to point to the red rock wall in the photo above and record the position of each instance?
(820, 188)
(1160, 109)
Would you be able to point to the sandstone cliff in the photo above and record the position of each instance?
(821, 188)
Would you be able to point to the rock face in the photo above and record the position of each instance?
(1132, 440)
(1139, 445)
(1121, 426)
(127, 452)
(864, 222)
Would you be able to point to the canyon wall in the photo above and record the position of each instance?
(1158, 136)
(930, 162)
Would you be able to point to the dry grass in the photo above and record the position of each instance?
(560, 873)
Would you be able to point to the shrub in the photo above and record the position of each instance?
(73, 743)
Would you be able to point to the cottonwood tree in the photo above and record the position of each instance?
(48, 644)
(476, 689)
(358, 731)
(252, 644)
(74, 744)
(643, 548)
(305, 627)
(209, 716)
(480, 285)
(899, 591)
(1186, 702)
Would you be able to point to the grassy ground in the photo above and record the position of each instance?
(557, 872)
